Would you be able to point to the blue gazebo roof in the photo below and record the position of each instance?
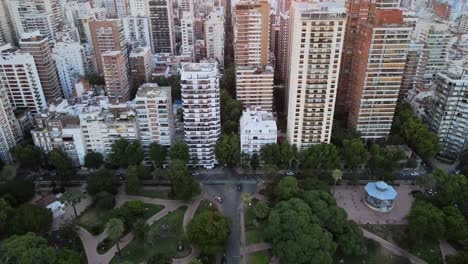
(381, 190)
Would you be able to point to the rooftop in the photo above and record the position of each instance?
(140, 51)
(153, 90)
(381, 190)
(199, 67)
(258, 117)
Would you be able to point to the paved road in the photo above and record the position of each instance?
(395, 249)
(224, 183)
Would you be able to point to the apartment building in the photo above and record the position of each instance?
(153, 106)
(202, 119)
(21, 80)
(70, 61)
(137, 31)
(141, 66)
(10, 130)
(40, 21)
(251, 53)
(463, 24)
(38, 46)
(214, 35)
(257, 128)
(315, 47)
(107, 35)
(27, 13)
(187, 32)
(162, 26)
(138, 8)
(7, 27)
(281, 72)
(54, 130)
(413, 75)
(377, 73)
(448, 111)
(442, 10)
(116, 75)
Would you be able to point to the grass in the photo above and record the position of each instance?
(375, 254)
(253, 227)
(94, 219)
(262, 257)
(427, 250)
(163, 237)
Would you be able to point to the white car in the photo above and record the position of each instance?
(195, 173)
(414, 173)
(290, 173)
(219, 199)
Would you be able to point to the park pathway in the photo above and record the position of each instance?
(392, 247)
(446, 249)
(90, 242)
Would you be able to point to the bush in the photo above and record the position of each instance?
(104, 200)
(129, 211)
(21, 190)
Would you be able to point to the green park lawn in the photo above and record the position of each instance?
(253, 227)
(162, 237)
(375, 254)
(94, 219)
(427, 250)
(261, 257)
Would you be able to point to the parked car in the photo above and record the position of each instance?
(195, 173)
(290, 173)
(239, 187)
(219, 199)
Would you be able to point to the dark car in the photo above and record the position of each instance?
(239, 187)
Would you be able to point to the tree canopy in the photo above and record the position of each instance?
(28, 156)
(27, 249)
(125, 153)
(179, 151)
(322, 156)
(102, 180)
(425, 221)
(231, 112)
(93, 160)
(157, 154)
(354, 153)
(209, 231)
(184, 184)
(227, 150)
(286, 188)
(62, 163)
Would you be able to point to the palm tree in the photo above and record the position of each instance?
(336, 174)
(73, 198)
(115, 229)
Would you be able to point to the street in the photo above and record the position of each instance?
(224, 184)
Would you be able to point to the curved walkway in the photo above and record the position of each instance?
(392, 247)
(90, 242)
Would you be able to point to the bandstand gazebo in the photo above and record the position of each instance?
(380, 196)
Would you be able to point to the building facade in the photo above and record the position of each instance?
(137, 31)
(377, 73)
(201, 111)
(10, 130)
(141, 66)
(116, 76)
(315, 46)
(257, 128)
(69, 59)
(162, 26)
(214, 35)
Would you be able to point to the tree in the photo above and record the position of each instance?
(114, 230)
(425, 221)
(6, 214)
(286, 188)
(179, 151)
(271, 154)
(455, 224)
(104, 200)
(464, 162)
(125, 153)
(336, 175)
(29, 156)
(133, 184)
(184, 186)
(62, 163)
(139, 229)
(246, 199)
(322, 156)
(245, 162)
(31, 218)
(72, 197)
(231, 111)
(209, 231)
(102, 180)
(351, 241)
(460, 258)
(174, 82)
(261, 210)
(254, 162)
(227, 150)
(157, 154)
(8, 173)
(68, 256)
(296, 235)
(426, 181)
(159, 258)
(95, 79)
(451, 189)
(27, 249)
(21, 190)
(93, 160)
(270, 171)
(354, 153)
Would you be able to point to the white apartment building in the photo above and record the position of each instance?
(102, 126)
(7, 27)
(69, 58)
(59, 130)
(10, 130)
(22, 9)
(79, 14)
(137, 31)
(214, 35)
(20, 78)
(448, 111)
(138, 8)
(257, 128)
(187, 31)
(41, 21)
(315, 47)
(436, 37)
(202, 119)
(463, 24)
(153, 106)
